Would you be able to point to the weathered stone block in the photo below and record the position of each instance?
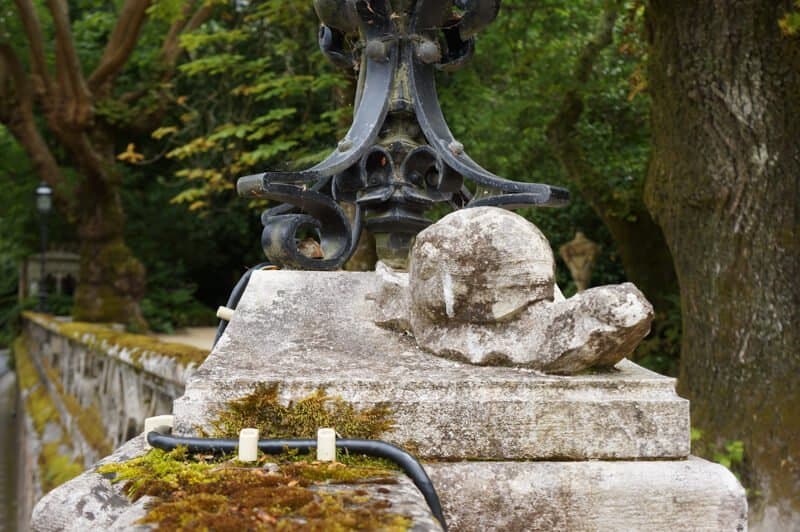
(642, 496)
(309, 330)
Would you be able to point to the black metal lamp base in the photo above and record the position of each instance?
(399, 157)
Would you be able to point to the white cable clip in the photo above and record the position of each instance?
(326, 445)
(225, 313)
(155, 422)
(248, 445)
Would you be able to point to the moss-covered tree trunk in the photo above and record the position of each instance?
(57, 93)
(724, 184)
(112, 278)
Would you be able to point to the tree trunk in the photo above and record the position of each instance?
(724, 185)
(112, 280)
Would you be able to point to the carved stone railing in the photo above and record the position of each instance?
(85, 389)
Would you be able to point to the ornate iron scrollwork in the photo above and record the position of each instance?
(399, 157)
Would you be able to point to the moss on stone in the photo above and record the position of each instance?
(27, 376)
(300, 419)
(100, 336)
(39, 405)
(346, 469)
(194, 494)
(95, 335)
(88, 419)
(56, 467)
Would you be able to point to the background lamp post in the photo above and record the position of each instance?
(44, 204)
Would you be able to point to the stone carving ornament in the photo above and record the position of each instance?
(481, 284)
(481, 289)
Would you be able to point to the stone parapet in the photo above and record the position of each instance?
(119, 378)
(84, 389)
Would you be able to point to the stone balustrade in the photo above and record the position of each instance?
(85, 389)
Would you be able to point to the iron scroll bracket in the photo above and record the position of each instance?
(399, 158)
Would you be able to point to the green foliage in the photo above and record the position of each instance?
(166, 311)
(19, 235)
(790, 23)
(501, 104)
(255, 95)
(730, 454)
(660, 351)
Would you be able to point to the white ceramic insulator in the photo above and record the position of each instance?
(248, 445)
(326, 445)
(152, 423)
(225, 313)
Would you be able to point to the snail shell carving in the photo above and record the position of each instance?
(498, 265)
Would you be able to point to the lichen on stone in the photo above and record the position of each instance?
(300, 418)
(200, 493)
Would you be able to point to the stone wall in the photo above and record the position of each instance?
(85, 389)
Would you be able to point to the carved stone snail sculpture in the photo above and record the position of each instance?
(399, 158)
(481, 289)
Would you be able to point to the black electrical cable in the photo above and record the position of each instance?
(236, 295)
(379, 449)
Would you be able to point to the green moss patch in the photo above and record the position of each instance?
(88, 419)
(27, 376)
(38, 404)
(194, 493)
(300, 419)
(55, 467)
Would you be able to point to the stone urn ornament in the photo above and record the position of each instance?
(481, 289)
(580, 255)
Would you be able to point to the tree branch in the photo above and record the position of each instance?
(172, 49)
(643, 251)
(20, 121)
(68, 65)
(121, 43)
(171, 46)
(14, 71)
(33, 31)
(561, 129)
(170, 52)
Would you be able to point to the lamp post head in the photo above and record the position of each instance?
(44, 198)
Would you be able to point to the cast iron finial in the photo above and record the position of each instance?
(399, 157)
